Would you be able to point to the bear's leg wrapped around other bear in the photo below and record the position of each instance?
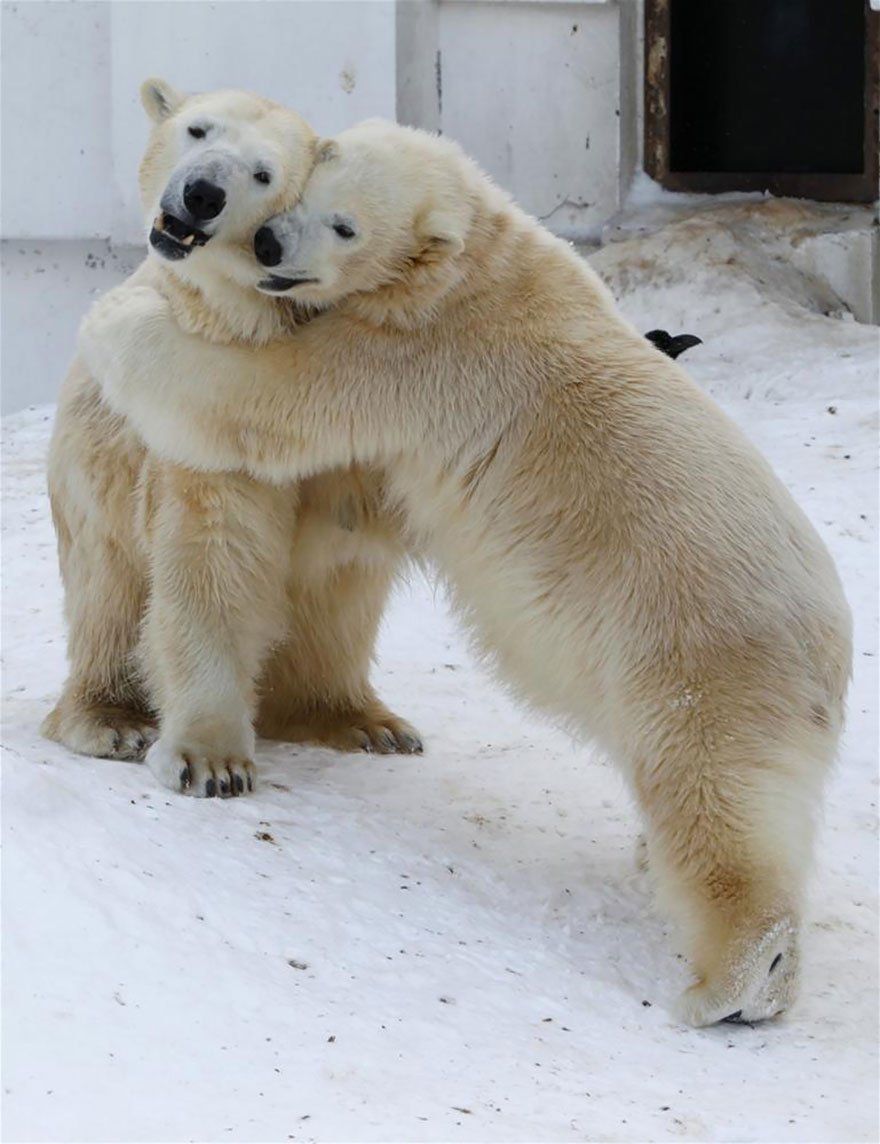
(730, 824)
(94, 461)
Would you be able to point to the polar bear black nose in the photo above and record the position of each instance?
(267, 247)
(203, 200)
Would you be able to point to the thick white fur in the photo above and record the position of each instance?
(617, 547)
(281, 623)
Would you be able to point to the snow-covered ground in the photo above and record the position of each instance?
(456, 947)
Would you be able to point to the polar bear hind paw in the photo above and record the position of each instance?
(757, 984)
(102, 730)
(383, 736)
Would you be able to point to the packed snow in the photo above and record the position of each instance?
(457, 947)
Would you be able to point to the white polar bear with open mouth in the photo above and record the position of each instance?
(617, 547)
(281, 625)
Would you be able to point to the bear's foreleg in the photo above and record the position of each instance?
(219, 554)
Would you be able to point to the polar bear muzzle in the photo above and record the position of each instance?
(190, 207)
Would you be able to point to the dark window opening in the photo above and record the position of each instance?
(763, 94)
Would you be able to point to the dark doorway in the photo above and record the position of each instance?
(763, 94)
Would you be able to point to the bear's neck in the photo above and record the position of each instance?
(224, 312)
(503, 252)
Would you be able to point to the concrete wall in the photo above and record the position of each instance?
(533, 92)
(72, 125)
(73, 130)
(540, 93)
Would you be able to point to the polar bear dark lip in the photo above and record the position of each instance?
(276, 285)
(177, 228)
(173, 239)
(167, 246)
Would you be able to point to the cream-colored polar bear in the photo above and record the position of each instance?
(615, 544)
(302, 568)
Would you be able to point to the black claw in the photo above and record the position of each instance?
(776, 960)
(239, 783)
(734, 1018)
(210, 788)
(225, 788)
(185, 779)
(250, 782)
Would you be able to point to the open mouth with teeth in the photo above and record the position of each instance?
(275, 284)
(173, 239)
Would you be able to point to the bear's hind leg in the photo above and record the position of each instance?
(316, 687)
(103, 709)
(730, 840)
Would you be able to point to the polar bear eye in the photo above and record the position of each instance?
(263, 177)
(197, 132)
(343, 230)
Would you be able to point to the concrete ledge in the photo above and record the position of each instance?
(47, 287)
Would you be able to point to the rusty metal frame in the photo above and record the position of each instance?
(828, 186)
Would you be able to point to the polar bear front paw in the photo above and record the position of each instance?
(201, 771)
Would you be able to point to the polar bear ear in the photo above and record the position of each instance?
(327, 149)
(160, 99)
(444, 232)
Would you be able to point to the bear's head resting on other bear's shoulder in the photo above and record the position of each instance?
(386, 209)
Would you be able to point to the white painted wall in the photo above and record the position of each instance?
(72, 124)
(333, 61)
(532, 89)
(535, 90)
(57, 159)
(542, 94)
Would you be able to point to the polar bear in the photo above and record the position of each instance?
(215, 165)
(617, 547)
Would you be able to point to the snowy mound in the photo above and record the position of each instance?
(453, 947)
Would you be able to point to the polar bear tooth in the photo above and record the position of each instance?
(190, 238)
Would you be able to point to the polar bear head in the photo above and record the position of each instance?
(214, 167)
(385, 207)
